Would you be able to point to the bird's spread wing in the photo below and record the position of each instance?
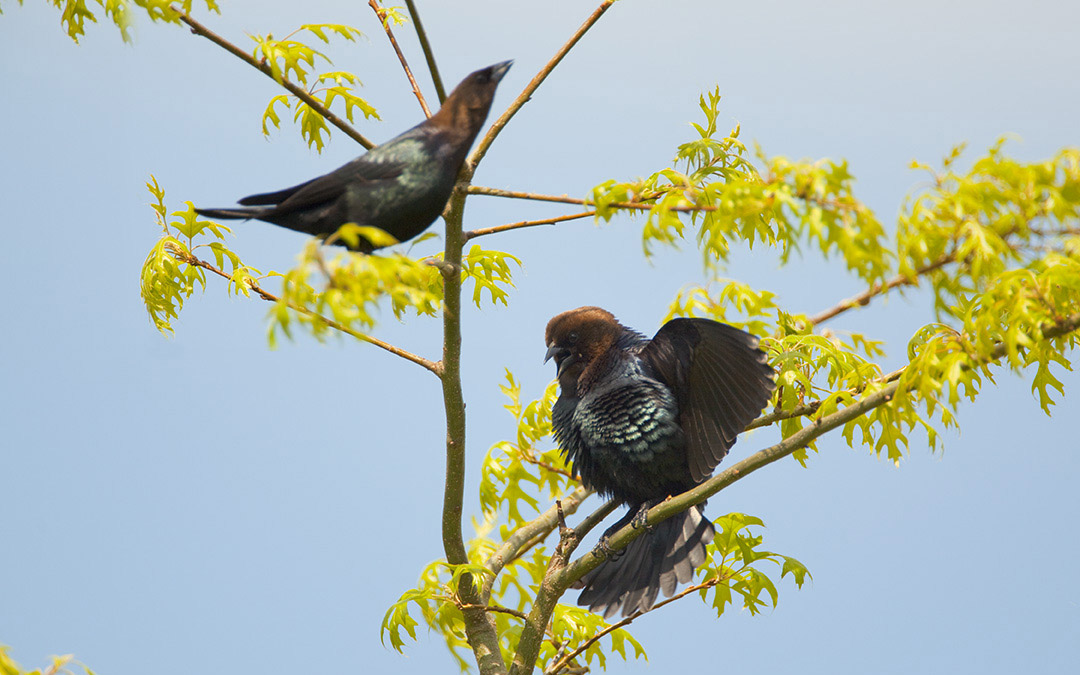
(329, 187)
(720, 379)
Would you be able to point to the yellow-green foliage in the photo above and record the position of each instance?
(725, 198)
(61, 665)
(291, 59)
(347, 289)
(74, 13)
(168, 277)
(519, 471)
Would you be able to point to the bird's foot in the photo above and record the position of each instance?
(603, 549)
(641, 518)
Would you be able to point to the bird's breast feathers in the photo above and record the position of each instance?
(635, 416)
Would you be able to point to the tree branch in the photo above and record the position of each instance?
(811, 408)
(526, 223)
(494, 608)
(433, 366)
(421, 34)
(547, 596)
(533, 85)
(479, 628)
(565, 660)
(294, 89)
(879, 288)
(564, 199)
(515, 194)
(524, 537)
(381, 13)
(535, 628)
(862, 299)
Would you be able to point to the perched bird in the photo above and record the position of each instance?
(642, 419)
(400, 186)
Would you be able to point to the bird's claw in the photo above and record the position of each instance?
(641, 518)
(603, 549)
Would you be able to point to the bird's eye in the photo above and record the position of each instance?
(572, 337)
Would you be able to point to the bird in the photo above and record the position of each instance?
(642, 419)
(400, 187)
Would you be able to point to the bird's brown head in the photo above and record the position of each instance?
(467, 106)
(576, 338)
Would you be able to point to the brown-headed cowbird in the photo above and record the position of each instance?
(642, 419)
(400, 187)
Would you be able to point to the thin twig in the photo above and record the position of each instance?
(564, 199)
(515, 194)
(433, 366)
(878, 288)
(811, 408)
(494, 608)
(524, 537)
(433, 68)
(526, 223)
(297, 91)
(564, 661)
(526, 94)
(381, 13)
(528, 456)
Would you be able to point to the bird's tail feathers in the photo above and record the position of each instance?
(657, 561)
(231, 214)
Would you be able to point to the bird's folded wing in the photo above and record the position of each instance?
(272, 198)
(326, 188)
(720, 379)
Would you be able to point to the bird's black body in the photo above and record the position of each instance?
(400, 187)
(643, 419)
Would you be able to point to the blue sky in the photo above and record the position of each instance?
(202, 501)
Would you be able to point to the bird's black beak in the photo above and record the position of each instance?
(553, 352)
(499, 69)
(560, 354)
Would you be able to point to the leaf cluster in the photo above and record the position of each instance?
(352, 288)
(61, 665)
(74, 13)
(518, 473)
(291, 59)
(722, 196)
(998, 244)
(734, 567)
(168, 276)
